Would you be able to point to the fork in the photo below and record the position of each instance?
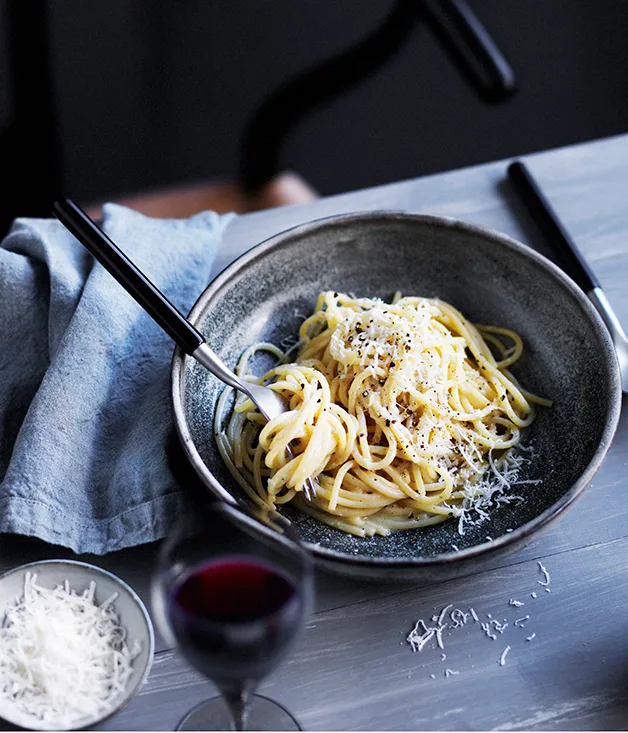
(163, 312)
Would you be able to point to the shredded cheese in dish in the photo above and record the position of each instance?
(404, 414)
(63, 659)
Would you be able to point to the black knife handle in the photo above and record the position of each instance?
(551, 227)
(152, 300)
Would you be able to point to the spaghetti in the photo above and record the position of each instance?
(404, 414)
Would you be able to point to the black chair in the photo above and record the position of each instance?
(30, 145)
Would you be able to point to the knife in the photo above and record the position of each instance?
(569, 256)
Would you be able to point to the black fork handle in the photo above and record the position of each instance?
(133, 280)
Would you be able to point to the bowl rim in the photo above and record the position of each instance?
(131, 692)
(519, 534)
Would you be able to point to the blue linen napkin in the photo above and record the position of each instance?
(84, 380)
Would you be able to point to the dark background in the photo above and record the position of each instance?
(151, 92)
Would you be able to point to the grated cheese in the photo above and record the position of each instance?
(62, 657)
(502, 659)
(441, 618)
(546, 576)
(499, 627)
(488, 490)
(458, 617)
(418, 638)
(422, 634)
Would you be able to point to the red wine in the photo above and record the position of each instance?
(234, 590)
(234, 617)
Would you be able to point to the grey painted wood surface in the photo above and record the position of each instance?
(352, 669)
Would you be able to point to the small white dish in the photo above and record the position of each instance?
(129, 607)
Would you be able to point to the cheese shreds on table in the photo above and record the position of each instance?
(546, 576)
(62, 657)
(422, 633)
(502, 659)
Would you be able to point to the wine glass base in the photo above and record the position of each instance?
(263, 714)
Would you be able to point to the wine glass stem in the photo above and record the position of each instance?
(238, 702)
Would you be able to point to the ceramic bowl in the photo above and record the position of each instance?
(491, 278)
(130, 609)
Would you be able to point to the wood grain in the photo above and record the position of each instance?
(354, 670)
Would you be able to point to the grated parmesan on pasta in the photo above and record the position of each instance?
(405, 414)
(63, 658)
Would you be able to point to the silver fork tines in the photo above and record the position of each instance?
(267, 401)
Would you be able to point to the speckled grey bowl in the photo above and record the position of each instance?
(491, 278)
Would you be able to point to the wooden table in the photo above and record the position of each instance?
(352, 668)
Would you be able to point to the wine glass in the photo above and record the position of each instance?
(232, 594)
